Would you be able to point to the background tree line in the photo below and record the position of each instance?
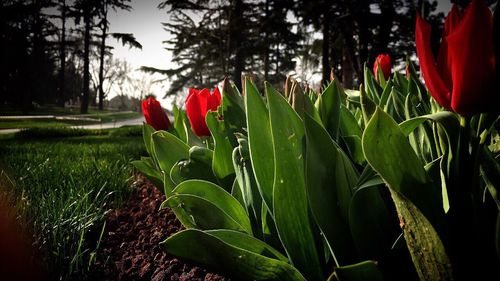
(272, 38)
(54, 51)
(47, 50)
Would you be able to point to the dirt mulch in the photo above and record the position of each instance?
(130, 250)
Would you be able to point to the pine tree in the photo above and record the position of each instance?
(212, 40)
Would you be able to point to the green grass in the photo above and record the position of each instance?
(39, 123)
(103, 117)
(48, 110)
(65, 185)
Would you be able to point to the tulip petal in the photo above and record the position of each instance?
(194, 104)
(432, 76)
(470, 48)
(444, 61)
(154, 114)
(214, 100)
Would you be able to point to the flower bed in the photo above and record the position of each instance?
(305, 185)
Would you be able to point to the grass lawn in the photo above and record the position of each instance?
(103, 117)
(48, 110)
(64, 186)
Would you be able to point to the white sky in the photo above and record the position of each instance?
(144, 21)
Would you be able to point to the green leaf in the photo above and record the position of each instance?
(351, 134)
(247, 242)
(385, 94)
(149, 171)
(426, 248)
(198, 166)
(218, 197)
(192, 138)
(390, 154)
(367, 106)
(363, 271)
(246, 181)
(169, 150)
(236, 192)
(290, 198)
(445, 118)
(191, 169)
(179, 124)
(232, 108)
(203, 214)
(328, 105)
(370, 221)
(260, 142)
(380, 77)
(204, 248)
(330, 178)
(147, 132)
(417, 202)
(222, 163)
(372, 88)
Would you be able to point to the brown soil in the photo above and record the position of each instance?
(130, 248)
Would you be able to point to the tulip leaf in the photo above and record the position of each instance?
(417, 201)
(367, 106)
(192, 138)
(236, 192)
(372, 88)
(149, 171)
(242, 263)
(201, 213)
(385, 94)
(366, 270)
(232, 108)
(330, 178)
(391, 155)
(425, 246)
(179, 124)
(246, 182)
(191, 169)
(371, 221)
(328, 105)
(289, 195)
(380, 77)
(217, 197)
(247, 242)
(351, 135)
(222, 163)
(260, 142)
(169, 150)
(147, 132)
(198, 166)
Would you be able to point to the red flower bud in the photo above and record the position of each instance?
(198, 103)
(462, 77)
(384, 61)
(154, 114)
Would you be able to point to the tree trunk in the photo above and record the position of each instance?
(266, 43)
(235, 38)
(385, 19)
(347, 70)
(103, 49)
(325, 62)
(86, 59)
(62, 58)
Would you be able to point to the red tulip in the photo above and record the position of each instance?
(198, 103)
(384, 61)
(154, 114)
(462, 78)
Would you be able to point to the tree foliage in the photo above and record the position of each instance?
(214, 39)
